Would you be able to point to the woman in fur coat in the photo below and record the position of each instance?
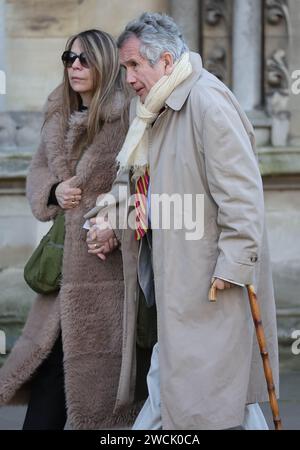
(68, 357)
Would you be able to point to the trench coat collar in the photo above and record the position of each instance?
(178, 97)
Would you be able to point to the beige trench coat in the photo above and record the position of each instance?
(210, 366)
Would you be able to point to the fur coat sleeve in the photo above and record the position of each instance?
(41, 177)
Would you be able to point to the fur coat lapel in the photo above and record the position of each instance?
(63, 152)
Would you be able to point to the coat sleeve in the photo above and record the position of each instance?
(235, 184)
(38, 185)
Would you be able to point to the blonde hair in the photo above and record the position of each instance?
(103, 58)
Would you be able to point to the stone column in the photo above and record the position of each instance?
(247, 52)
(2, 51)
(186, 15)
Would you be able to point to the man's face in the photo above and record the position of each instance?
(139, 73)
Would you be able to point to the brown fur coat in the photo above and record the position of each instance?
(89, 306)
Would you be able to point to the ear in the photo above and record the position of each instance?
(168, 62)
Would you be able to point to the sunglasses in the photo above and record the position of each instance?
(68, 58)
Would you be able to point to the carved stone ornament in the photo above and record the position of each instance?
(216, 63)
(277, 11)
(278, 77)
(214, 11)
(278, 97)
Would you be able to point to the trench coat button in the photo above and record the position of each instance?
(253, 258)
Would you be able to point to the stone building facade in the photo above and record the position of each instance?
(252, 45)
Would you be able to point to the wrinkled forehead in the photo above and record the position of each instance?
(130, 51)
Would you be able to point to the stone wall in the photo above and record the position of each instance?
(283, 220)
(19, 234)
(294, 64)
(36, 33)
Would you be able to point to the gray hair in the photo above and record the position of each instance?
(158, 33)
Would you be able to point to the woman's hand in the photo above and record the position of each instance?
(101, 239)
(67, 196)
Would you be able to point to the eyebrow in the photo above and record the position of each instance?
(128, 62)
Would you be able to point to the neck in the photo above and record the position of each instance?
(86, 99)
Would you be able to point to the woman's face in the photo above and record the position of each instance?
(80, 77)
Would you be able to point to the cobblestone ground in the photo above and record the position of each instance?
(11, 417)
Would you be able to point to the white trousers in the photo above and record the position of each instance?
(149, 417)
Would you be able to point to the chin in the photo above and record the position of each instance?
(78, 89)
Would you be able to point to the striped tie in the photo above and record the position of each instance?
(141, 205)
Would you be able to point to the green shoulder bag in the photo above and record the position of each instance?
(43, 270)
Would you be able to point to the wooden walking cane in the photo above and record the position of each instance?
(256, 316)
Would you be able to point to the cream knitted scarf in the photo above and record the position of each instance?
(134, 153)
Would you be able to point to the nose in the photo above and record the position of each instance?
(130, 76)
(77, 64)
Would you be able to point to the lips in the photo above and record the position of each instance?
(138, 91)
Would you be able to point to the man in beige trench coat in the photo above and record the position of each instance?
(189, 132)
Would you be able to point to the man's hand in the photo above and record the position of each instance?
(217, 284)
(67, 196)
(221, 284)
(101, 239)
